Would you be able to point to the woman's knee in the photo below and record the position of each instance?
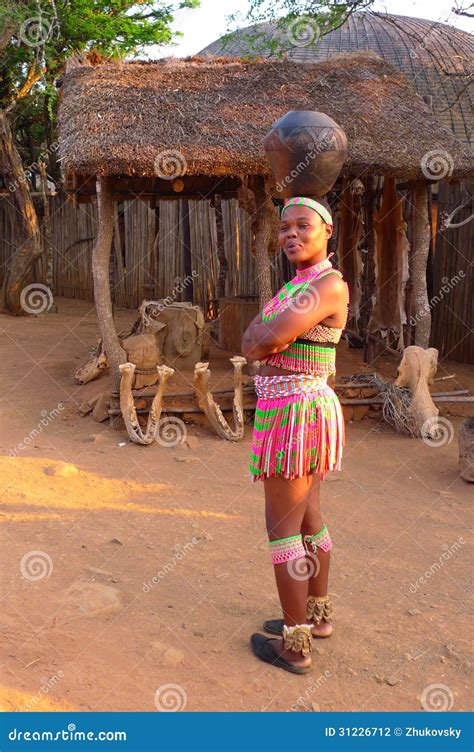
(282, 521)
(280, 524)
(285, 505)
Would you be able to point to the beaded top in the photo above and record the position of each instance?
(314, 350)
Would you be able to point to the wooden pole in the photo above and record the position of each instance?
(264, 219)
(369, 287)
(409, 333)
(47, 231)
(100, 272)
(223, 264)
(187, 249)
(419, 258)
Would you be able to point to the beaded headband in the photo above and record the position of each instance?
(311, 204)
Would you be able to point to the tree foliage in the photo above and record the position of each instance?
(38, 35)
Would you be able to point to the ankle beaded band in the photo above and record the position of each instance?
(286, 549)
(298, 638)
(319, 608)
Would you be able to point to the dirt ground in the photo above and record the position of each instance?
(133, 575)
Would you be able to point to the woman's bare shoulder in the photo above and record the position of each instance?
(333, 283)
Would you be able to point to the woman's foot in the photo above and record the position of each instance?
(323, 629)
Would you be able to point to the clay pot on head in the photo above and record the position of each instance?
(306, 151)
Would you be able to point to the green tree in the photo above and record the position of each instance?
(36, 38)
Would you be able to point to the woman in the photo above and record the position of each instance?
(299, 429)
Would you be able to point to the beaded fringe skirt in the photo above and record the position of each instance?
(299, 427)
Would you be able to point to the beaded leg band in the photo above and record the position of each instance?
(298, 639)
(286, 549)
(319, 608)
(320, 540)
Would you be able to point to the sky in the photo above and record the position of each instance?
(206, 24)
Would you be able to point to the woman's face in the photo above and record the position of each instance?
(303, 234)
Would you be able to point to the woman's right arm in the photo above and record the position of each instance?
(254, 345)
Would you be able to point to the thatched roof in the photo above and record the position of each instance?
(436, 58)
(116, 118)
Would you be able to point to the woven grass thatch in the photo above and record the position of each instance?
(116, 118)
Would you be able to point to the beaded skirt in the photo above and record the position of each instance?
(299, 427)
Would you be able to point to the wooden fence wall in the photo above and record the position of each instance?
(148, 260)
(452, 302)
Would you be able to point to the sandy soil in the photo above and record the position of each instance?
(127, 569)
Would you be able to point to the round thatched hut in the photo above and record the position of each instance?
(436, 58)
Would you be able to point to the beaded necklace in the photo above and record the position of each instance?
(296, 286)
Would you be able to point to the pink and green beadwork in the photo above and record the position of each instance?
(287, 549)
(320, 540)
(311, 204)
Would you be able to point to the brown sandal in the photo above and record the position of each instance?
(297, 639)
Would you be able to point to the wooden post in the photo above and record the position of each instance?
(188, 262)
(223, 264)
(419, 258)
(369, 287)
(47, 230)
(264, 219)
(100, 272)
(429, 263)
(409, 304)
